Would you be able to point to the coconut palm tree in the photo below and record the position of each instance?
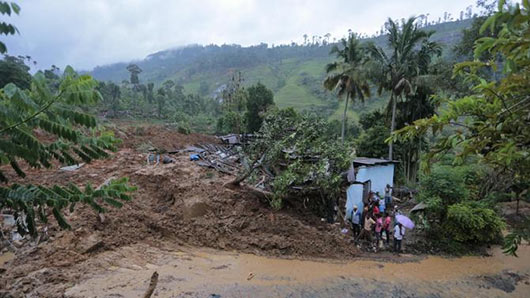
(396, 71)
(347, 75)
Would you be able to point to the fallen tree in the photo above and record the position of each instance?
(295, 157)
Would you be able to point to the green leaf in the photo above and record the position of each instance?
(60, 219)
(15, 7)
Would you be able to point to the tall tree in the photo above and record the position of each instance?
(327, 36)
(135, 70)
(347, 75)
(150, 90)
(160, 101)
(14, 70)
(111, 94)
(259, 100)
(410, 55)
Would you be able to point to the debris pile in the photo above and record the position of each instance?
(228, 158)
(223, 158)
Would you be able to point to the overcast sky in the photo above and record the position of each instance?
(87, 33)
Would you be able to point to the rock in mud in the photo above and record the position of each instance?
(506, 281)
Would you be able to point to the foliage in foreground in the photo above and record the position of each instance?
(7, 8)
(493, 123)
(71, 137)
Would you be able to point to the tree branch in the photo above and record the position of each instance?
(46, 106)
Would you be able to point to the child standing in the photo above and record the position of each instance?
(387, 220)
(378, 229)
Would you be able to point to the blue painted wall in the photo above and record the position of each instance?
(380, 176)
(354, 195)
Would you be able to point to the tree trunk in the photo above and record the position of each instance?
(409, 160)
(392, 125)
(240, 178)
(237, 181)
(344, 118)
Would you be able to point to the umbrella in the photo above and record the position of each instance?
(405, 221)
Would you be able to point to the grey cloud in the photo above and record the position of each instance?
(86, 33)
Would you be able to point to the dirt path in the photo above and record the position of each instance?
(206, 273)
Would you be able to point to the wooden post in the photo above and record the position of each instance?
(152, 285)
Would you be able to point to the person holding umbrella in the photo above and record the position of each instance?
(399, 231)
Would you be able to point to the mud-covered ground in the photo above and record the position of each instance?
(180, 204)
(205, 240)
(194, 272)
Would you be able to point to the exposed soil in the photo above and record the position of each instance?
(178, 204)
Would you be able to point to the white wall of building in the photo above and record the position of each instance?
(379, 176)
(354, 196)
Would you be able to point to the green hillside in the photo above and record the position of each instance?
(294, 72)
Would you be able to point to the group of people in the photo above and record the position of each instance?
(377, 219)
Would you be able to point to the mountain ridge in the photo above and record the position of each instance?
(294, 72)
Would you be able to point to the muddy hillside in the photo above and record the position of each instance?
(179, 203)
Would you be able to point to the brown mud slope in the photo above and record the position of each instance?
(178, 203)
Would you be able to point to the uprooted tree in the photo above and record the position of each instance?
(71, 137)
(299, 158)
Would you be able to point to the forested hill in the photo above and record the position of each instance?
(293, 72)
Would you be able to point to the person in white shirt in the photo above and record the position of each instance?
(399, 231)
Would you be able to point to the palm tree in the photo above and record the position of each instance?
(347, 75)
(409, 57)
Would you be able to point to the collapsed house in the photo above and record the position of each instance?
(367, 175)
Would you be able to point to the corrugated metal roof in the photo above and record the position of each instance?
(372, 161)
(419, 207)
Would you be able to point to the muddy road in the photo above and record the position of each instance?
(207, 273)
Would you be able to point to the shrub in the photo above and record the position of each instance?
(455, 222)
(230, 122)
(446, 183)
(184, 128)
(472, 224)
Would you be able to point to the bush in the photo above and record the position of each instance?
(230, 122)
(203, 123)
(352, 130)
(371, 143)
(471, 224)
(446, 183)
(455, 222)
(184, 128)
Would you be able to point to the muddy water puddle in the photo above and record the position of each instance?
(203, 273)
